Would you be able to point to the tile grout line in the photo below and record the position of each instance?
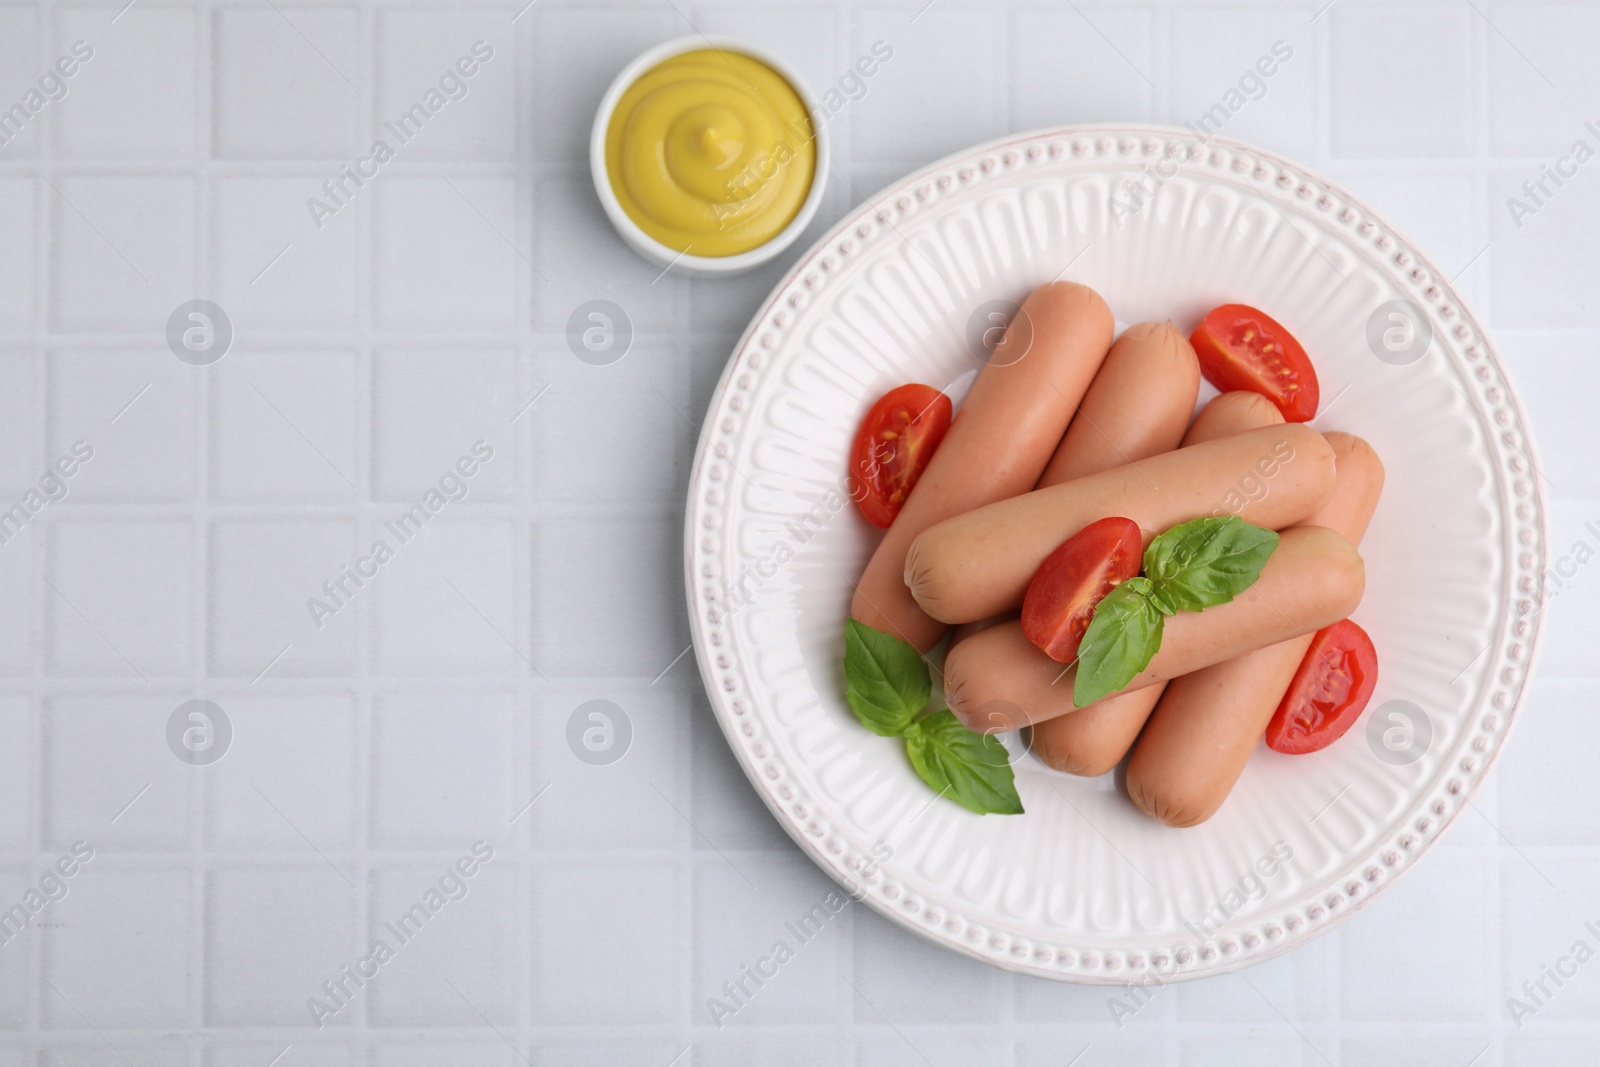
(366, 64)
(202, 381)
(526, 706)
(44, 296)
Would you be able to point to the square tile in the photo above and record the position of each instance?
(1052, 1049)
(117, 949)
(1571, 588)
(91, 1051)
(299, 1054)
(128, 420)
(1256, 1047)
(445, 604)
(638, 799)
(1108, 79)
(1294, 985)
(19, 586)
(1548, 937)
(124, 251)
(447, 253)
(277, 265)
(1539, 77)
(280, 597)
(284, 427)
(19, 53)
(448, 1054)
(771, 937)
(727, 812)
(566, 83)
(105, 759)
(119, 602)
(431, 52)
(1220, 60)
(577, 428)
(624, 911)
(580, 258)
(25, 911)
(915, 1046)
(428, 411)
(285, 80)
(1538, 1050)
(1539, 276)
(441, 769)
(134, 98)
(252, 980)
(20, 419)
(938, 93)
(1546, 787)
(600, 1050)
(18, 284)
(1375, 62)
(19, 774)
(903, 978)
(1433, 972)
(615, 578)
(447, 930)
(1552, 376)
(772, 1050)
(289, 775)
(1448, 1049)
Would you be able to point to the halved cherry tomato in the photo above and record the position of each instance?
(1242, 348)
(1073, 579)
(893, 446)
(1329, 691)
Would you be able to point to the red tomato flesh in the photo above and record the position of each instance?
(1073, 579)
(1242, 348)
(1329, 691)
(893, 446)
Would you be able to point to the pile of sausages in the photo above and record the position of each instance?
(1062, 428)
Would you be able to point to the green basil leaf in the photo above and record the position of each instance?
(1123, 635)
(971, 769)
(1206, 562)
(885, 680)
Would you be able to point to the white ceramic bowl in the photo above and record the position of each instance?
(649, 247)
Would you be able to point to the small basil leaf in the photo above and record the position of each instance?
(1123, 635)
(971, 769)
(1160, 596)
(1206, 562)
(885, 680)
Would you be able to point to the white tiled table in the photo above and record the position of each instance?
(370, 754)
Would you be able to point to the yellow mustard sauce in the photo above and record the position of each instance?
(711, 153)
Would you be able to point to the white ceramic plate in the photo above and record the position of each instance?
(1083, 887)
